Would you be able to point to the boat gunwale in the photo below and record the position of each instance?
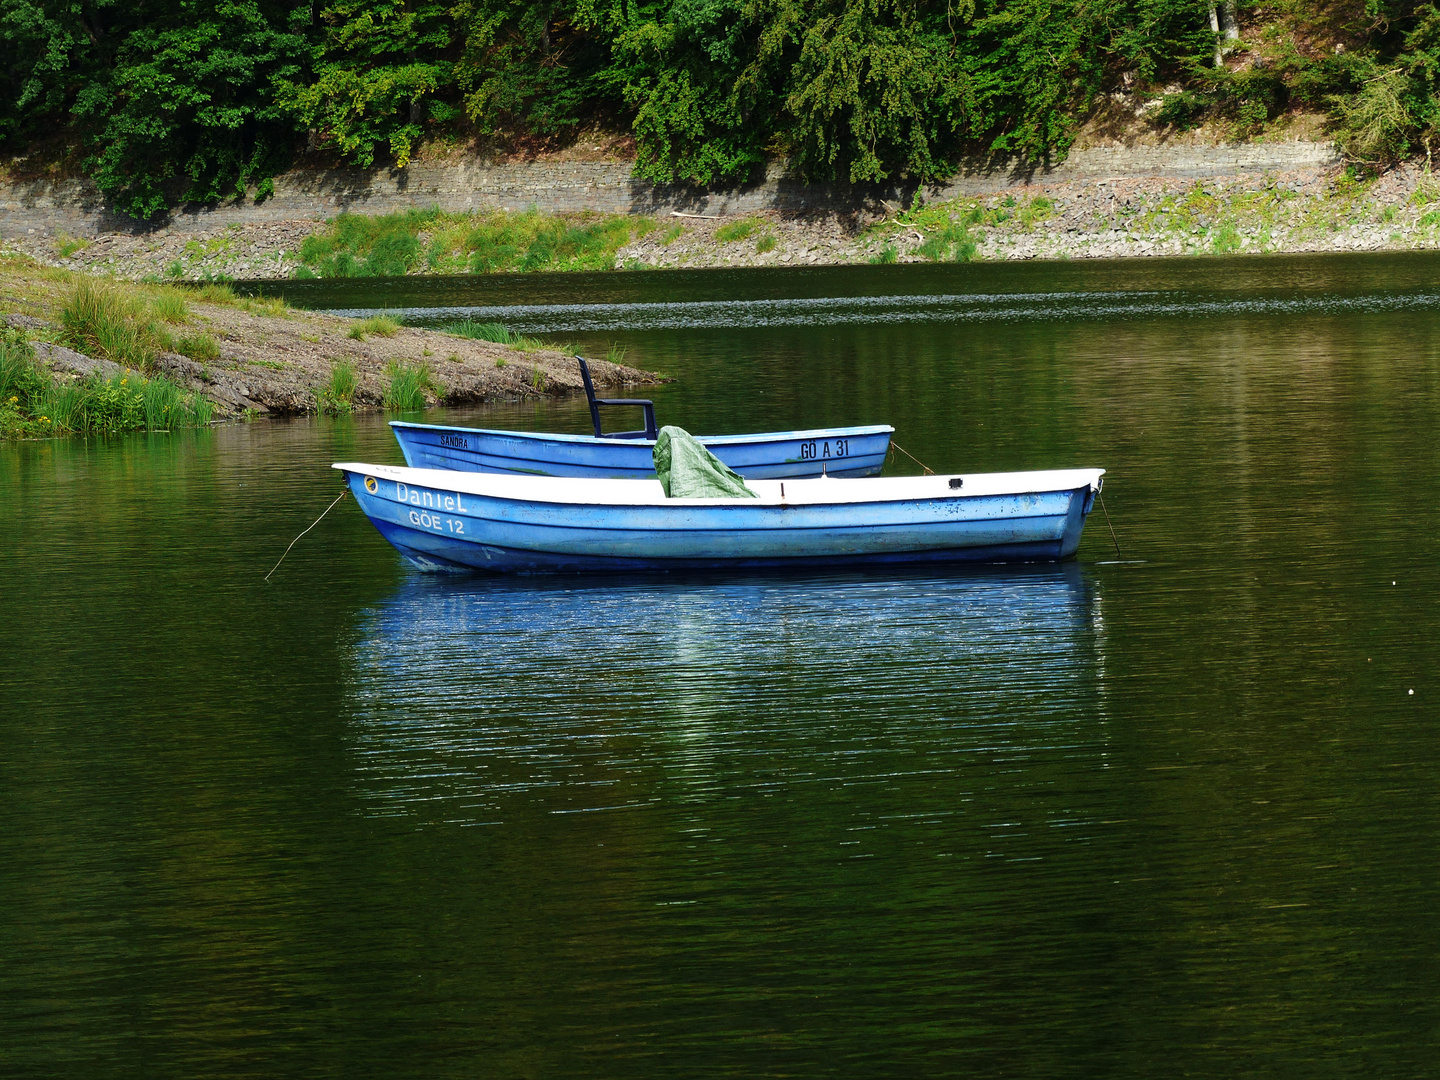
(1091, 478)
(755, 437)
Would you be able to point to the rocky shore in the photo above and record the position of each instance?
(260, 356)
(1118, 217)
(1113, 217)
(263, 357)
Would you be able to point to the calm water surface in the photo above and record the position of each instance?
(1168, 814)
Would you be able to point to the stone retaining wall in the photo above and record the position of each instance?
(74, 206)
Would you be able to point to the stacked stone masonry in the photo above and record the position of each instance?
(75, 207)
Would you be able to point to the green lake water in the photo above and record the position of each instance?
(1175, 813)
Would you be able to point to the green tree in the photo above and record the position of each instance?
(880, 89)
(186, 108)
(536, 66)
(381, 71)
(44, 48)
(705, 84)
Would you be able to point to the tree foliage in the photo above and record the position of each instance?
(200, 100)
(380, 69)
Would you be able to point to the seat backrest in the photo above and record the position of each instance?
(590, 394)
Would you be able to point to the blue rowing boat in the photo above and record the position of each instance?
(849, 451)
(447, 520)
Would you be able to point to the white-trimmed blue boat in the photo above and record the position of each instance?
(446, 520)
(847, 451)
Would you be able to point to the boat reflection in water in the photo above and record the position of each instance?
(475, 700)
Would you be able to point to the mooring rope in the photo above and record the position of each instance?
(896, 446)
(1107, 522)
(312, 525)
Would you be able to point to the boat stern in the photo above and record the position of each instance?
(1082, 501)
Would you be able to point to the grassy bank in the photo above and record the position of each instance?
(132, 325)
(433, 241)
(1201, 218)
(1308, 210)
(110, 354)
(127, 325)
(1078, 219)
(35, 402)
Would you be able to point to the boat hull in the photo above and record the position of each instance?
(438, 527)
(842, 452)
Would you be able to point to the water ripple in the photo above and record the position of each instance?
(841, 311)
(468, 697)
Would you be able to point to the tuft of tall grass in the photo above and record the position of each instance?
(200, 347)
(67, 245)
(495, 332)
(20, 376)
(378, 325)
(67, 406)
(407, 386)
(356, 245)
(101, 319)
(215, 292)
(339, 395)
(33, 402)
(273, 306)
(1225, 240)
(737, 230)
(169, 306)
(1038, 209)
(480, 331)
(951, 243)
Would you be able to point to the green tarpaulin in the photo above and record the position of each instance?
(688, 471)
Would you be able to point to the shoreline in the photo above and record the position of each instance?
(252, 356)
(1111, 217)
(269, 358)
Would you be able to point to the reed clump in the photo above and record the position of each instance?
(100, 320)
(34, 403)
(376, 325)
(407, 386)
(339, 394)
(495, 332)
(169, 306)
